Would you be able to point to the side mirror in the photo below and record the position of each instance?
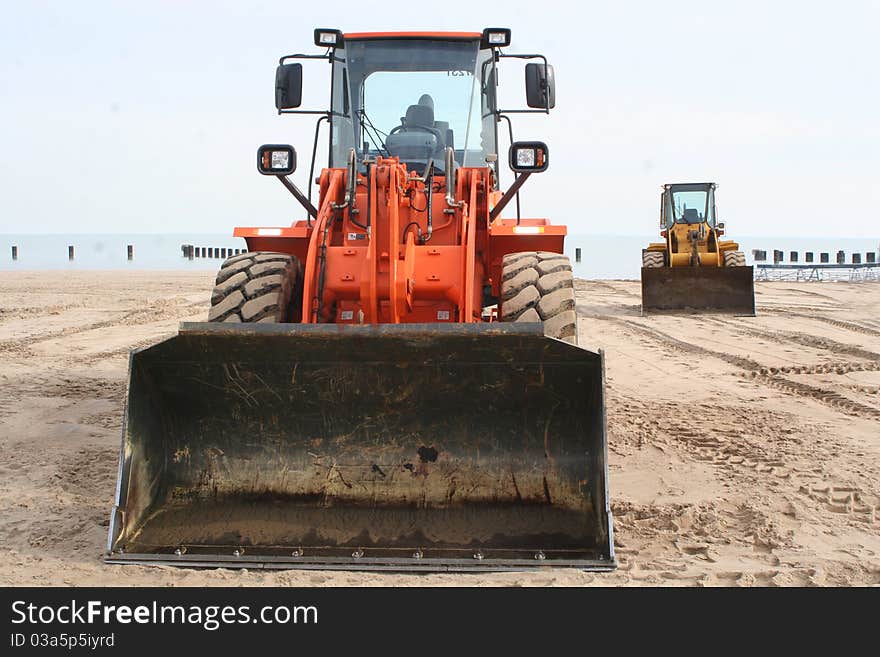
(720, 225)
(537, 85)
(276, 159)
(288, 86)
(529, 156)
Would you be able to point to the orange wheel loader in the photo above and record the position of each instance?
(393, 382)
(693, 269)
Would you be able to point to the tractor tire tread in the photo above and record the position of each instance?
(510, 269)
(734, 259)
(555, 303)
(539, 287)
(653, 259)
(512, 308)
(552, 265)
(518, 283)
(223, 288)
(256, 287)
(236, 258)
(555, 281)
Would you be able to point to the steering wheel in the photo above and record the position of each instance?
(424, 128)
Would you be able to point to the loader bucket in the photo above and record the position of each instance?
(389, 447)
(698, 289)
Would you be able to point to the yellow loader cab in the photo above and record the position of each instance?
(694, 269)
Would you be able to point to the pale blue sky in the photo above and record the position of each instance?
(124, 117)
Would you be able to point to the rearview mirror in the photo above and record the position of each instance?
(529, 156)
(288, 86)
(276, 159)
(537, 85)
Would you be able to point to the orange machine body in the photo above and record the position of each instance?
(373, 261)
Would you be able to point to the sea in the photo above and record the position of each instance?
(601, 256)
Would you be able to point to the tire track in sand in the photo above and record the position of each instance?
(795, 337)
(838, 323)
(753, 370)
(149, 314)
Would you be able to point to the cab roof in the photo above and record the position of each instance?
(413, 35)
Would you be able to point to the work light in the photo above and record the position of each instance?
(496, 37)
(328, 38)
(525, 157)
(276, 159)
(529, 156)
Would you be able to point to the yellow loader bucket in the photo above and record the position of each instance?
(698, 289)
(392, 447)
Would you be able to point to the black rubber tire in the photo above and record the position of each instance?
(538, 286)
(653, 259)
(734, 259)
(258, 286)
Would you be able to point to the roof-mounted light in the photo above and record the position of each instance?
(496, 37)
(328, 38)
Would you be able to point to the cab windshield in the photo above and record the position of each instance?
(413, 98)
(693, 205)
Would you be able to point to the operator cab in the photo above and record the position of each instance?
(412, 97)
(689, 204)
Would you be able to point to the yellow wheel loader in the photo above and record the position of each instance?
(694, 269)
(394, 381)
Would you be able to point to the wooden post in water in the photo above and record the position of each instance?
(130, 251)
(14, 252)
(577, 254)
(70, 252)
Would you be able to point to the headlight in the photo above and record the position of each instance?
(528, 156)
(525, 157)
(280, 159)
(276, 159)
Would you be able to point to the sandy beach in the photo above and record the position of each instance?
(743, 451)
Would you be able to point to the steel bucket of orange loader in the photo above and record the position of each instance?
(387, 447)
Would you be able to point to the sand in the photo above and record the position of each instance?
(743, 451)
